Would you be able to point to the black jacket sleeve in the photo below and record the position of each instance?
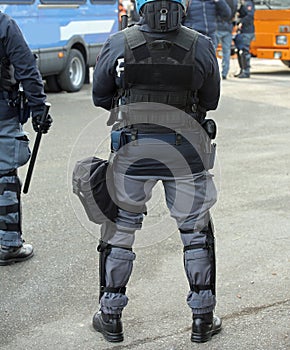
(104, 84)
(23, 61)
(207, 75)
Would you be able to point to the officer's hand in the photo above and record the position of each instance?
(38, 125)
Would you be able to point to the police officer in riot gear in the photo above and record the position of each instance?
(21, 91)
(158, 73)
(246, 33)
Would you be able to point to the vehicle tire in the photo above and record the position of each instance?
(71, 79)
(51, 84)
(287, 63)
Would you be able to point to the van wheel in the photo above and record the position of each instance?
(51, 84)
(287, 63)
(72, 78)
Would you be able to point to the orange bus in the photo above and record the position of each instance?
(272, 30)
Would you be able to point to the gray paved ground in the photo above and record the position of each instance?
(48, 302)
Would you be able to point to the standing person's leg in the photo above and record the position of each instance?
(117, 256)
(226, 49)
(239, 47)
(214, 39)
(189, 201)
(15, 153)
(220, 40)
(246, 55)
(12, 248)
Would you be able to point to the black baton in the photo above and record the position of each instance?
(124, 21)
(35, 149)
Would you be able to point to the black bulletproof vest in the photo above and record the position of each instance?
(159, 71)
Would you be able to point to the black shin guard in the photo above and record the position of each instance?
(117, 284)
(10, 208)
(197, 274)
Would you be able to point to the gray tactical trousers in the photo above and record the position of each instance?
(189, 197)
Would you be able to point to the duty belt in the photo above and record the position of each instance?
(172, 138)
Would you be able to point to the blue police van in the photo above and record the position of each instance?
(66, 36)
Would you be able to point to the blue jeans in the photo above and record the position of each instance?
(225, 38)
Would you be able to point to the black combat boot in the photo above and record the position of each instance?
(204, 327)
(245, 74)
(109, 325)
(240, 64)
(246, 66)
(11, 255)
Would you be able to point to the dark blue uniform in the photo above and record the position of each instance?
(18, 65)
(246, 17)
(244, 37)
(189, 189)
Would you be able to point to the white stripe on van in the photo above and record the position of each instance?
(85, 27)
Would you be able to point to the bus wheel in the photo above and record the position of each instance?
(51, 84)
(287, 63)
(72, 77)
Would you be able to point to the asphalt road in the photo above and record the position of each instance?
(47, 303)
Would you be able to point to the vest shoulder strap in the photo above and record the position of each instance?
(183, 42)
(186, 38)
(134, 36)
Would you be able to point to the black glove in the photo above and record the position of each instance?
(43, 127)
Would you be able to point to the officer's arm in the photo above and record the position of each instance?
(209, 92)
(25, 66)
(249, 17)
(104, 87)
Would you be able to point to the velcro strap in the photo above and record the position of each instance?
(198, 287)
(121, 290)
(13, 187)
(187, 38)
(134, 36)
(9, 227)
(11, 173)
(195, 246)
(9, 209)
